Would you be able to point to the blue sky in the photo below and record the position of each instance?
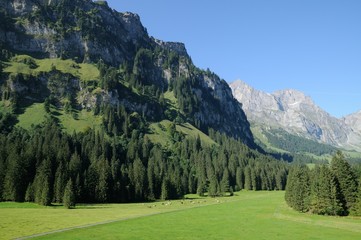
(311, 45)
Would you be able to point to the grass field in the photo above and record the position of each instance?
(80, 123)
(33, 115)
(249, 215)
(85, 72)
(159, 133)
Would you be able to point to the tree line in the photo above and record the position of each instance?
(46, 165)
(325, 190)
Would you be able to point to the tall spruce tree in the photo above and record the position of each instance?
(356, 208)
(247, 178)
(346, 179)
(43, 185)
(298, 188)
(224, 184)
(213, 190)
(69, 195)
(239, 179)
(325, 192)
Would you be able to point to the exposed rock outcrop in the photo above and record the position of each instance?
(296, 113)
(87, 31)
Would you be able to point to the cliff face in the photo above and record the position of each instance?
(296, 113)
(89, 32)
(73, 29)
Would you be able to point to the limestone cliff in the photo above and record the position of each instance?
(296, 113)
(91, 32)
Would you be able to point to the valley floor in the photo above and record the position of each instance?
(248, 215)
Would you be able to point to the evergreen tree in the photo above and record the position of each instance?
(224, 184)
(254, 180)
(102, 186)
(346, 179)
(139, 179)
(356, 209)
(29, 195)
(298, 188)
(325, 192)
(213, 187)
(69, 195)
(59, 184)
(165, 189)
(247, 178)
(201, 189)
(239, 178)
(14, 178)
(43, 193)
(281, 179)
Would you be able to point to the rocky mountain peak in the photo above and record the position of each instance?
(172, 46)
(292, 96)
(354, 120)
(296, 113)
(293, 99)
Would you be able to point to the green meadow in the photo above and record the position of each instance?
(85, 72)
(247, 215)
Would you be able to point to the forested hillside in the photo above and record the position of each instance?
(36, 165)
(94, 110)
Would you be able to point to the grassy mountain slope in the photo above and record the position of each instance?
(297, 148)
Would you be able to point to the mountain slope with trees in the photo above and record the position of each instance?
(94, 110)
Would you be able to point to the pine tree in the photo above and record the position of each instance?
(42, 187)
(298, 188)
(254, 180)
(104, 176)
(69, 195)
(213, 187)
(14, 177)
(239, 178)
(29, 195)
(247, 178)
(224, 184)
(346, 179)
(165, 189)
(325, 192)
(139, 178)
(356, 209)
(59, 184)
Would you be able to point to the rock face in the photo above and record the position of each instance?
(296, 113)
(91, 32)
(109, 31)
(354, 120)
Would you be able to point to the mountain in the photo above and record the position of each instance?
(89, 99)
(297, 114)
(354, 120)
(89, 33)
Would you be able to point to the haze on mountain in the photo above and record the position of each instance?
(297, 113)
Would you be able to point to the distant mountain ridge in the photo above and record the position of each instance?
(297, 114)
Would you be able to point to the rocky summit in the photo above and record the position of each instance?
(296, 113)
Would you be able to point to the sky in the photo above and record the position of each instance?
(313, 46)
